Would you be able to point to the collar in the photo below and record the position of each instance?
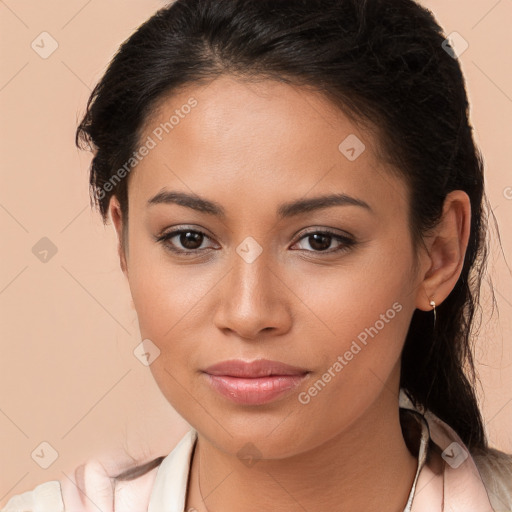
(457, 485)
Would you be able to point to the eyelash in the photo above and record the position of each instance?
(347, 242)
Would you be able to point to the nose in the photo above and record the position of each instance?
(254, 299)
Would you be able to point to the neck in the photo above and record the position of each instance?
(366, 467)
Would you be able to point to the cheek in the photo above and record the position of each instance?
(358, 355)
(163, 292)
(357, 293)
(363, 312)
(170, 301)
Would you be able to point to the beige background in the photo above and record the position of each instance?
(68, 373)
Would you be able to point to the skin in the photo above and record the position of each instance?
(250, 148)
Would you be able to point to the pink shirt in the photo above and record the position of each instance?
(464, 484)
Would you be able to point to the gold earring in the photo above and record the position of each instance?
(433, 304)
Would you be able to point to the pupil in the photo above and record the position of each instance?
(189, 240)
(320, 246)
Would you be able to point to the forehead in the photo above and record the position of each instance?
(266, 115)
(242, 139)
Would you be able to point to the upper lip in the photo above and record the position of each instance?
(253, 369)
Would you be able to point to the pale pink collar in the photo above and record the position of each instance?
(457, 487)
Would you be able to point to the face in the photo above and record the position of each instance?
(262, 269)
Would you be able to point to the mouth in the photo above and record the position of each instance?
(256, 382)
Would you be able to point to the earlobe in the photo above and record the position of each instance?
(117, 221)
(447, 250)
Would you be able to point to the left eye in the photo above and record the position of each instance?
(320, 241)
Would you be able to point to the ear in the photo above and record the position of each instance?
(446, 250)
(115, 214)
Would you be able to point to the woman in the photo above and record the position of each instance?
(299, 205)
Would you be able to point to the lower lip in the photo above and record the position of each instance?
(254, 391)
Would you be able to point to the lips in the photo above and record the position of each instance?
(256, 382)
(253, 369)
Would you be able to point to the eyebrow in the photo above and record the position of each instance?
(285, 210)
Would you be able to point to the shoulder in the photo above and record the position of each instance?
(90, 487)
(485, 473)
(495, 468)
(44, 497)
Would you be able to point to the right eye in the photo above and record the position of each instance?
(189, 239)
